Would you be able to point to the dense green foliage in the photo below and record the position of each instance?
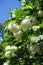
(24, 47)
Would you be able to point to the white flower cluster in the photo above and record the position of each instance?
(36, 39)
(15, 29)
(40, 13)
(35, 28)
(25, 24)
(34, 48)
(10, 51)
(11, 48)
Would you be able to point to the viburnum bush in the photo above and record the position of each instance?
(23, 35)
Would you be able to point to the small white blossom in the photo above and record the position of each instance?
(17, 35)
(40, 13)
(5, 63)
(41, 37)
(25, 24)
(34, 48)
(13, 16)
(13, 48)
(35, 28)
(7, 48)
(8, 54)
(35, 39)
(30, 56)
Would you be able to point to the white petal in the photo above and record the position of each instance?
(17, 35)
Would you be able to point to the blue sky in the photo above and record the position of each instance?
(5, 5)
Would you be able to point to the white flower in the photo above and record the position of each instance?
(7, 48)
(13, 27)
(13, 16)
(41, 37)
(35, 39)
(17, 35)
(13, 48)
(30, 56)
(34, 48)
(8, 54)
(34, 20)
(25, 24)
(5, 63)
(35, 28)
(40, 13)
